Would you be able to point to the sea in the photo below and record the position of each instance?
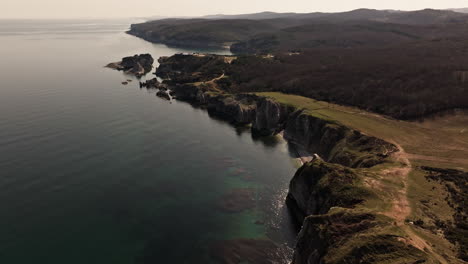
(93, 171)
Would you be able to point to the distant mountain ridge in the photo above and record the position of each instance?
(269, 31)
(253, 16)
(393, 16)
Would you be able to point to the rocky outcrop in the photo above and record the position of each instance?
(239, 109)
(335, 142)
(313, 244)
(270, 117)
(187, 92)
(153, 84)
(346, 236)
(324, 200)
(332, 141)
(164, 95)
(190, 68)
(137, 65)
(318, 186)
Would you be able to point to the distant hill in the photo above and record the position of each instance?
(394, 58)
(255, 16)
(423, 17)
(428, 16)
(335, 35)
(200, 33)
(460, 10)
(268, 31)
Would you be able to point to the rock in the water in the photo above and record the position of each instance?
(153, 83)
(164, 95)
(124, 83)
(137, 65)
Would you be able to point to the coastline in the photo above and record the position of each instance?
(300, 154)
(182, 45)
(348, 155)
(362, 178)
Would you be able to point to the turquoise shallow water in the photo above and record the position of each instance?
(92, 171)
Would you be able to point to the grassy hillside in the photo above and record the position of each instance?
(427, 203)
(439, 141)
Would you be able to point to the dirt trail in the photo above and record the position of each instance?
(216, 79)
(401, 208)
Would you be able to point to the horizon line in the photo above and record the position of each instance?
(220, 14)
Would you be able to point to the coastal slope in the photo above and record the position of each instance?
(359, 198)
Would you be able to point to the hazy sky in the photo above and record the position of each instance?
(141, 8)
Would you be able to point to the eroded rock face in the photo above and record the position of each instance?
(238, 109)
(317, 186)
(315, 134)
(323, 198)
(333, 142)
(185, 92)
(270, 118)
(336, 143)
(137, 65)
(361, 151)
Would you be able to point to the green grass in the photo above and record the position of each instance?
(439, 142)
(434, 142)
(357, 235)
(426, 197)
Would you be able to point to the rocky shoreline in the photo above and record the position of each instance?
(327, 194)
(194, 44)
(137, 65)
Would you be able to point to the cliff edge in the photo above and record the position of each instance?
(351, 201)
